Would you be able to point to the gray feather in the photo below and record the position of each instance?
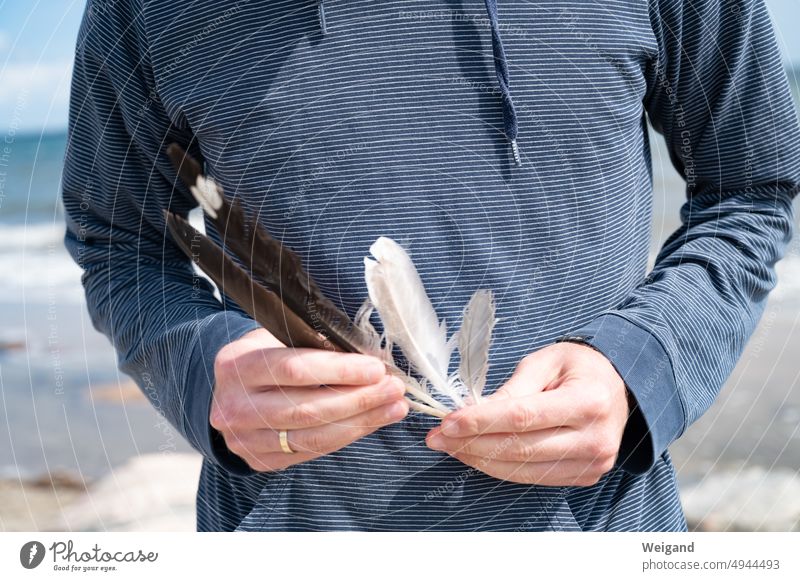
(474, 341)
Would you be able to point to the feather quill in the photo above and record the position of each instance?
(474, 340)
(409, 319)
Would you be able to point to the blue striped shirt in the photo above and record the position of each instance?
(392, 123)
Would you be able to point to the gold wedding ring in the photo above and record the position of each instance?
(283, 436)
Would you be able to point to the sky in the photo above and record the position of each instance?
(37, 39)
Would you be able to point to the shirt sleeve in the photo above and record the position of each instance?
(142, 292)
(719, 95)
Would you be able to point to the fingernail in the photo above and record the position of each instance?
(398, 410)
(451, 428)
(436, 442)
(396, 385)
(388, 387)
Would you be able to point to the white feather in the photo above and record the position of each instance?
(379, 344)
(474, 340)
(409, 320)
(206, 192)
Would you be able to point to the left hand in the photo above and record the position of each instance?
(558, 421)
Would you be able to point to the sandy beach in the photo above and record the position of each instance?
(737, 466)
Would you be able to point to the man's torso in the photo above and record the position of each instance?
(391, 125)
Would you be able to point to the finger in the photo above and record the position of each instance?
(257, 339)
(273, 462)
(291, 408)
(323, 439)
(296, 367)
(536, 372)
(548, 409)
(331, 437)
(540, 446)
(558, 473)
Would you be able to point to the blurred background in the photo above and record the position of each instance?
(81, 449)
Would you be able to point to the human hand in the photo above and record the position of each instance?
(324, 400)
(558, 421)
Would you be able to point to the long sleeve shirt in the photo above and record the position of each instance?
(391, 118)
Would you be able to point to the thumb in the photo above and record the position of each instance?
(536, 372)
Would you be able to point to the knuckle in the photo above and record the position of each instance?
(588, 479)
(609, 453)
(521, 418)
(528, 361)
(312, 441)
(291, 370)
(524, 453)
(599, 405)
(587, 411)
(605, 461)
(216, 418)
(364, 401)
(585, 414)
(607, 447)
(606, 464)
(343, 372)
(226, 365)
(594, 447)
(259, 465)
(223, 414)
(517, 455)
(300, 415)
(236, 446)
(601, 448)
(469, 425)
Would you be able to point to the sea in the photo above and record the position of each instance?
(59, 377)
(63, 404)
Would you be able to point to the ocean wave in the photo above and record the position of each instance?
(35, 266)
(31, 237)
(788, 287)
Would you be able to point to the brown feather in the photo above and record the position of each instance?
(279, 294)
(261, 304)
(277, 267)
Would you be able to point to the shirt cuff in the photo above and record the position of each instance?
(657, 417)
(213, 334)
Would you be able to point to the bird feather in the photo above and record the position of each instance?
(277, 292)
(409, 319)
(261, 304)
(474, 341)
(270, 263)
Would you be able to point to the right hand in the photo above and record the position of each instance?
(325, 400)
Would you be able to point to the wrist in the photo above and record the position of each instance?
(656, 416)
(214, 335)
